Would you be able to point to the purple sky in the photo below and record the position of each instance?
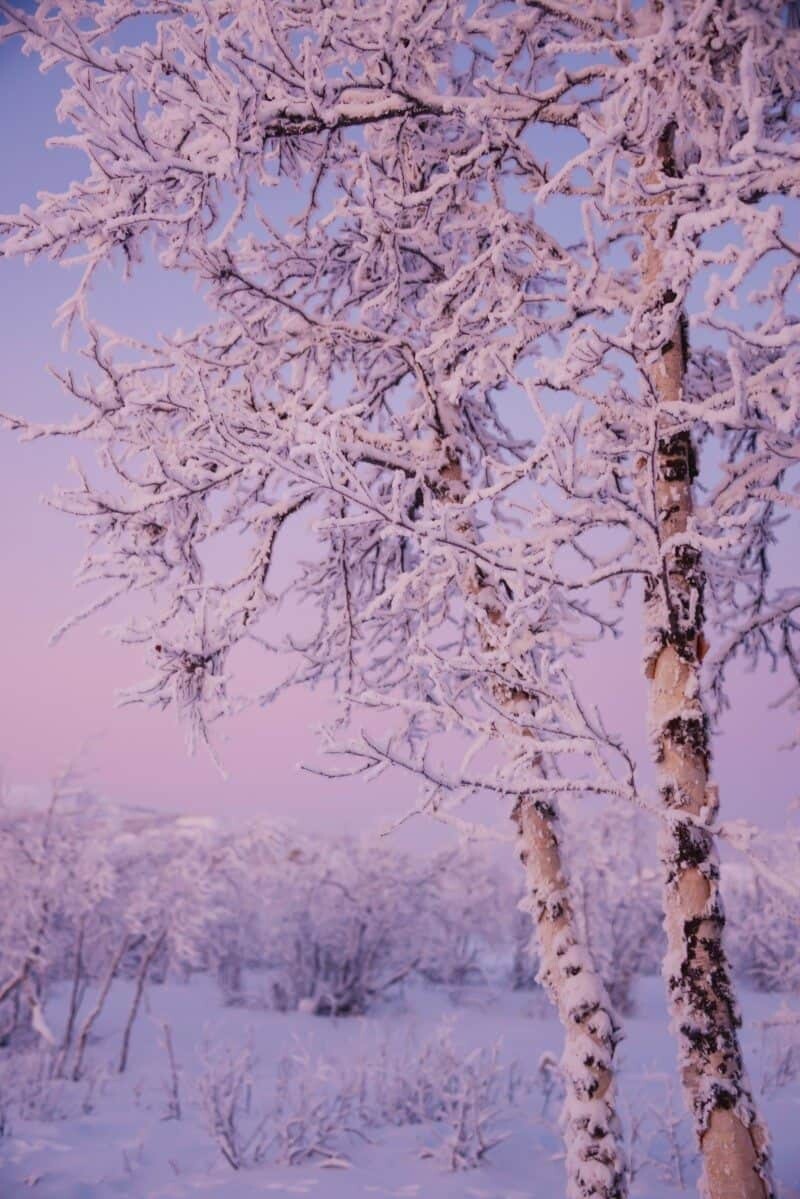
(54, 701)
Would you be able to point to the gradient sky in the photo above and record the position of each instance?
(56, 702)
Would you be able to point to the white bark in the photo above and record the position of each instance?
(733, 1142)
(592, 1131)
(595, 1158)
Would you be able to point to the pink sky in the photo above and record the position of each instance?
(55, 700)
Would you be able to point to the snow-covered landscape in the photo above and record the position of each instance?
(247, 1011)
(416, 384)
(141, 1135)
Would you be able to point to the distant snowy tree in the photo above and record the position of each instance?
(56, 884)
(466, 929)
(764, 898)
(345, 928)
(163, 912)
(482, 361)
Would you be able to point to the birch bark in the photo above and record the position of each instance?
(593, 1139)
(733, 1142)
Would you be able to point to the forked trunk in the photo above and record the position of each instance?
(733, 1143)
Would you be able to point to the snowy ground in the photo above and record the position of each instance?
(123, 1145)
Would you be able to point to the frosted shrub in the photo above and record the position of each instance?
(240, 915)
(56, 882)
(659, 1137)
(467, 1094)
(319, 1103)
(349, 922)
(226, 1090)
(29, 1088)
(312, 1109)
(346, 928)
(94, 894)
(470, 1107)
(462, 932)
(315, 1107)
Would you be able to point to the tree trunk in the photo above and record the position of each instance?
(733, 1143)
(141, 979)
(592, 1133)
(595, 1157)
(75, 999)
(111, 973)
(15, 985)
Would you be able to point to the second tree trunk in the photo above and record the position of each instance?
(733, 1143)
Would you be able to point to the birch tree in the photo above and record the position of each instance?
(709, 100)
(360, 296)
(473, 369)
